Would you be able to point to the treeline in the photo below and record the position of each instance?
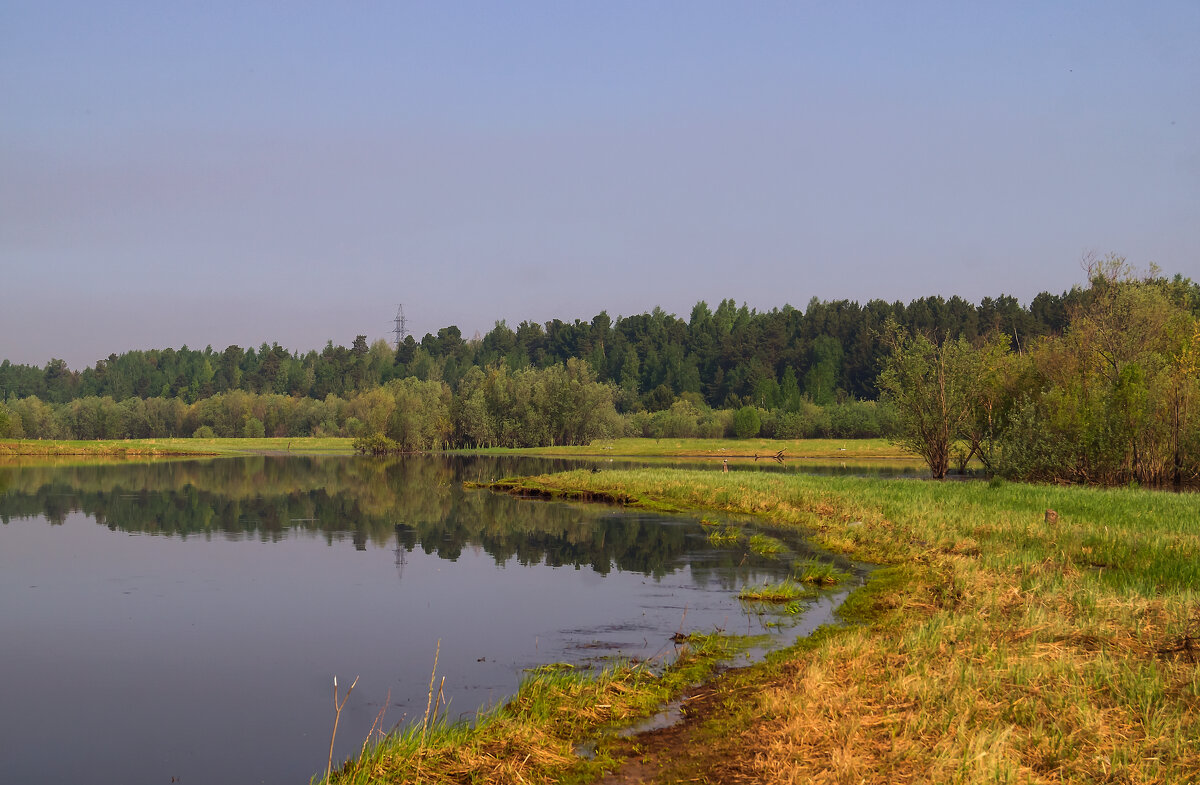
(1099, 384)
(729, 356)
(1114, 398)
(534, 407)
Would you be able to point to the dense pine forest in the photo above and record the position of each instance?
(1110, 356)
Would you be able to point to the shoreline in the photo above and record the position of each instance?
(991, 637)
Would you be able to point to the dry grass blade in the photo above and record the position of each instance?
(428, 706)
(337, 716)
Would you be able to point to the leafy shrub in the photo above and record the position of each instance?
(747, 422)
(376, 444)
(254, 428)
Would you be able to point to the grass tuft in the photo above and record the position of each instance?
(765, 545)
(818, 573)
(729, 535)
(785, 592)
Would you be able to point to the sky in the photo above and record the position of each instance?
(245, 172)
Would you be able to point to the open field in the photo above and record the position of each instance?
(121, 448)
(818, 450)
(839, 449)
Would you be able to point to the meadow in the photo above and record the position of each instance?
(149, 448)
(998, 643)
(830, 449)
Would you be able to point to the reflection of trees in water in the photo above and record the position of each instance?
(413, 502)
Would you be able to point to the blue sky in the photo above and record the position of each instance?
(217, 173)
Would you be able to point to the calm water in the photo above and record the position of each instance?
(186, 619)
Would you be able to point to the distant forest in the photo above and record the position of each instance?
(1098, 384)
(730, 356)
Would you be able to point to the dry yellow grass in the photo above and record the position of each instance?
(1002, 648)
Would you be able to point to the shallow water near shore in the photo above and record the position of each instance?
(186, 619)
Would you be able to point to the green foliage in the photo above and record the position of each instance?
(557, 405)
(730, 353)
(1114, 399)
(420, 414)
(938, 390)
(747, 422)
(10, 424)
(821, 381)
(1111, 401)
(808, 421)
(376, 444)
(1102, 385)
(253, 429)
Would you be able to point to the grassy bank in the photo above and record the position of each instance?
(794, 449)
(1000, 646)
(814, 452)
(840, 449)
(129, 448)
(534, 736)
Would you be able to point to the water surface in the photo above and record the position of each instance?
(185, 619)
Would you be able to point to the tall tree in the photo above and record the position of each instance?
(935, 386)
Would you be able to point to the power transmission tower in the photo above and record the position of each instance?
(401, 328)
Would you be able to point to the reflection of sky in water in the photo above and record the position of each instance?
(211, 658)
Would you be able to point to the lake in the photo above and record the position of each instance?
(182, 621)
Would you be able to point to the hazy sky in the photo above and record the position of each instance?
(241, 172)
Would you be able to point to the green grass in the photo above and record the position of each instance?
(122, 448)
(740, 452)
(818, 573)
(998, 647)
(787, 591)
(729, 535)
(765, 545)
(794, 449)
